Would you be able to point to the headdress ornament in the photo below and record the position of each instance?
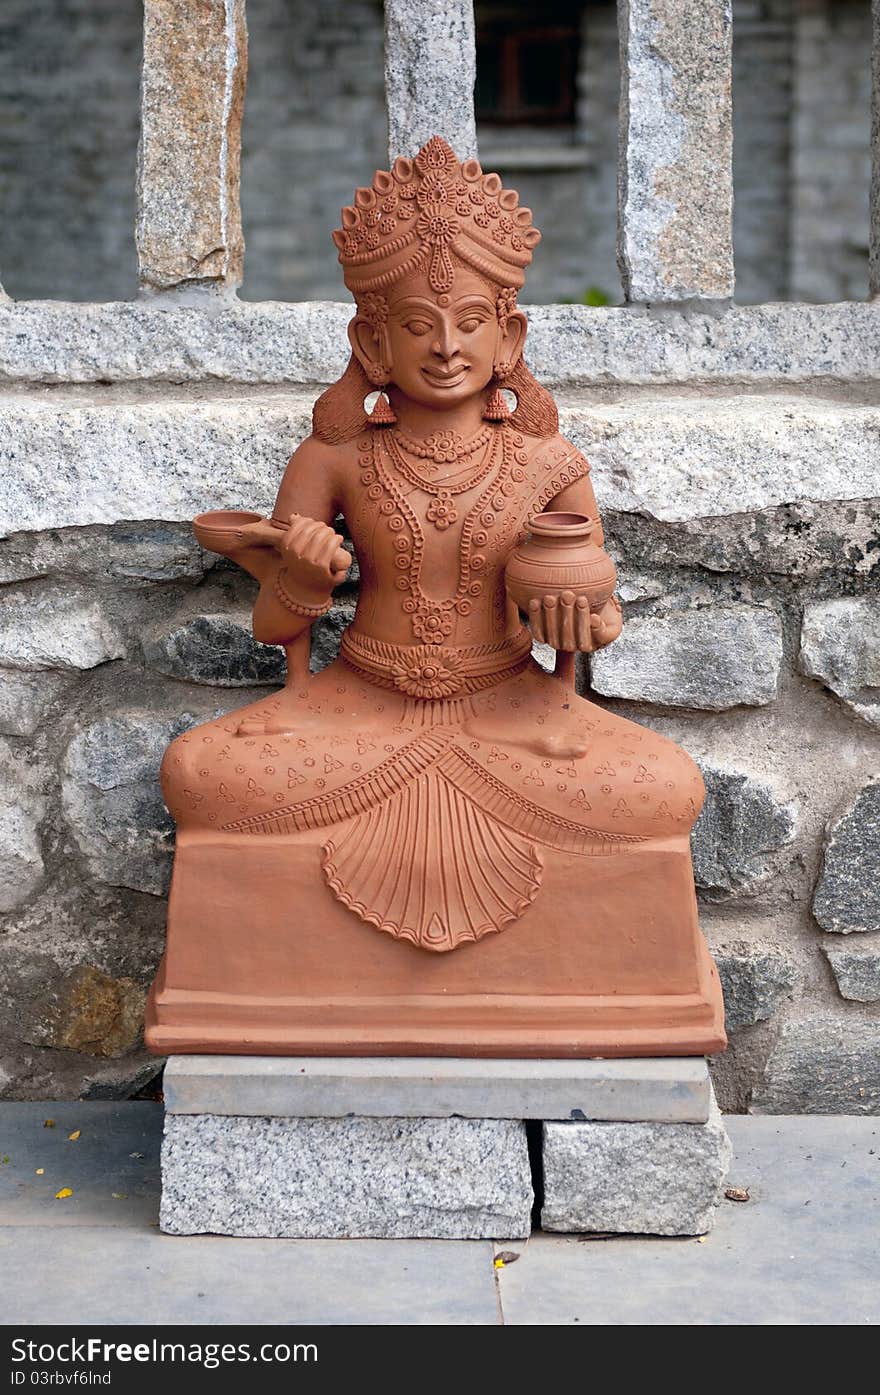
(423, 210)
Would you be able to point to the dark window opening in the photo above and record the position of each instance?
(526, 71)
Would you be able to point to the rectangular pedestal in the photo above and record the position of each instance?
(587, 970)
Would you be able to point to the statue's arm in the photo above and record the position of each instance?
(298, 573)
(592, 630)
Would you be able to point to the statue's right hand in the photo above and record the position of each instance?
(314, 552)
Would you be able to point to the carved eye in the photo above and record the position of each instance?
(418, 326)
(470, 325)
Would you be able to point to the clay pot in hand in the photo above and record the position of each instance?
(559, 555)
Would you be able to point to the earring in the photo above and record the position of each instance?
(382, 413)
(378, 374)
(496, 409)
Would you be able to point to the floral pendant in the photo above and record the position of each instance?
(441, 511)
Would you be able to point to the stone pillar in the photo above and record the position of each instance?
(874, 233)
(675, 171)
(192, 96)
(430, 69)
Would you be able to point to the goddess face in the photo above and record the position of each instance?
(440, 349)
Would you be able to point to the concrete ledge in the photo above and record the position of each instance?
(278, 342)
(454, 1179)
(674, 1089)
(634, 1179)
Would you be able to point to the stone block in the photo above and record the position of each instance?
(671, 1089)
(741, 822)
(676, 145)
(800, 539)
(215, 648)
(856, 969)
(192, 94)
(21, 858)
(822, 1064)
(25, 698)
(714, 658)
(708, 456)
(755, 981)
(126, 341)
(126, 553)
(112, 801)
(673, 459)
(191, 456)
(56, 626)
(430, 69)
(455, 1179)
(847, 895)
(634, 1179)
(305, 342)
(840, 645)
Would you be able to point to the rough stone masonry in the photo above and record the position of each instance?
(736, 460)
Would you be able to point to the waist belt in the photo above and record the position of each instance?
(429, 671)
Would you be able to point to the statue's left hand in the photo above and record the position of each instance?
(566, 622)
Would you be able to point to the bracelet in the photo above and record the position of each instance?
(309, 612)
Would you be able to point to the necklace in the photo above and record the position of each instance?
(445, 447)
(432, 620)
(441, 510)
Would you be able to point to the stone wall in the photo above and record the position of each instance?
(315, 122)
(736, 458)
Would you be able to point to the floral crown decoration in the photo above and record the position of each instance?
(423, 210)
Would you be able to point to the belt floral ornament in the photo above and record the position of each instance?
(428, 673)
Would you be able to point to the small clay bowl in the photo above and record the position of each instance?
(221, 531)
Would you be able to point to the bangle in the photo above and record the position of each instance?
(309, 612)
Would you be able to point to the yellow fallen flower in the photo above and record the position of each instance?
(63, 1194)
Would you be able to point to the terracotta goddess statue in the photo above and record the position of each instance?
(433, 846)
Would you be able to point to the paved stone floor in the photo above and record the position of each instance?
(804, 1250)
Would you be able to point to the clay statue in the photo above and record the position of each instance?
(433, 847)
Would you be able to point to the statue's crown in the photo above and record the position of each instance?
(418, 213)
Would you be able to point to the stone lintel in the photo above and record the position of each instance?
(676, 180)
(192, 96)
(669, 1089)
(430, 69)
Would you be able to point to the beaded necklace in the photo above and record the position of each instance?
(444, 447)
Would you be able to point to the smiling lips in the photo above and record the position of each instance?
(437, 378)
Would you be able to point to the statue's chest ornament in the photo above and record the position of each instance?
(494, 458)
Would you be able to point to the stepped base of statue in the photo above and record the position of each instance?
(609, 961)
(400, 1150)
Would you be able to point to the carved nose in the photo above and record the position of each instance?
(446, 343)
